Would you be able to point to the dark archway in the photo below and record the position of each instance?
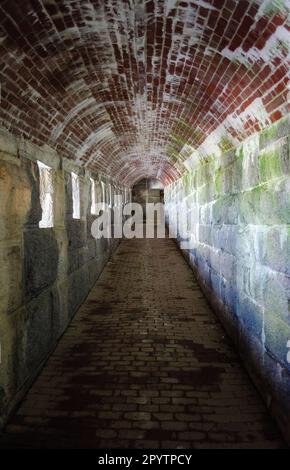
(148, 191)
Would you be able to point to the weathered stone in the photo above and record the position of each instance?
(225, 210)
(225, 237)
(241, 251)
(250, 314)
(228, 266)
(40, 260)
(108, 375)
(275, 132)
(275, 248)
(41, 329)
(45, 273)
(10, 278)
(78, 282)
(270, 165)
(205, 234)
(8, 144)
(15, 199)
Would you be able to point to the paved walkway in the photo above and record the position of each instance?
(144, 363)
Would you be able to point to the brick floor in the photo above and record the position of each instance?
(144, 363)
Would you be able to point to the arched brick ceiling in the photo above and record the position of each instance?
(132, 87)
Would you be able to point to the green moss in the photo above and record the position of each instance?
(187, 183)
(240, 152)
(197, 135)
(268, 135)
(283, 45)
(274, 7)
(277, 333)
(182, 125)
(269, 165)
(275, 132)
(173, 153)
(226, 145)
(179, 140)
(218, 181)
(250, 205)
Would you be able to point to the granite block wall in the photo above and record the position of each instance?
(235, 210)
(45, 273)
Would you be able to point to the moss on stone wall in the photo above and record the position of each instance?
(241, 250)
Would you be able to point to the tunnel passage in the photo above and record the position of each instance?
(99, 95)
(144, 364)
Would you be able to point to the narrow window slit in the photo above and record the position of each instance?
(46, 191)
(76, 195)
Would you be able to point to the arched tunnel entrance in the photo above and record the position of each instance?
(109, 336)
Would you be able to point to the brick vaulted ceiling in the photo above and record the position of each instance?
(132, 87)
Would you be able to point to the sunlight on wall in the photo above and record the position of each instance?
(76, 196)
(46, 195)
(93, 196)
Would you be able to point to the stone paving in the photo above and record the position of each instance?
(144, 364)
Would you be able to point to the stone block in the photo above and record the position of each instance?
(249, 210)
(231, 177)
(40, 260)
(225, 237)
(219, 183)
(250, 280)
(78, 289)
(275, 204)
(270, 164)
(276, 295)
(15, 200)
(205, 234)
(11, 287)
(248, 244)
(92, 248)
(201, 176)
(250, 163)
(277, 335)
(205, 214)
(213, 258)
(8, 144)
(284, 156)
(202, 196)
(275, 248)
(203, 268)
(250, 315)
(9, 362)
(228, 265)
(227, 158)
(40, 330)
(270, 377)
(102, 248)
(62, 294)
(225, 210)
(268, 204)
(215, 283)
(275, 132)
(230, 295)
(76, 233)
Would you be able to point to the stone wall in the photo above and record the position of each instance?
(45, 273)
(239, 205)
